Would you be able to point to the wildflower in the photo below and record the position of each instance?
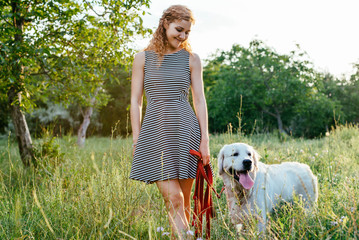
(352, 209)
(327, 134)
(189, 232)
(239, 227)
(165, 233)
(341, 219)
(333, 223)
(301, 151)
(199, 238)
(316, 154)
(160, 229)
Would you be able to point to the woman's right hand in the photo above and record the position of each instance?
(133, 148)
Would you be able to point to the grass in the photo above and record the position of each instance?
(86, 193)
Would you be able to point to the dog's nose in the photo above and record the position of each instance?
(247, 164)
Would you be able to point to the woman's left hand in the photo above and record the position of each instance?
(204, 150)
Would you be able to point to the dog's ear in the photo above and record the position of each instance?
(256, 157)
(220, 159)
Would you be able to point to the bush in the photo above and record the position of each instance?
(315, 117)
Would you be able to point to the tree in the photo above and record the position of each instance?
(346, 92)
(268, 88)
(352, 90)
(55, 39)
(343, 91)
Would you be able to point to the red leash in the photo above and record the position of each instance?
(203, 205)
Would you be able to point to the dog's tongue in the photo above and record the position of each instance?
(246, 181)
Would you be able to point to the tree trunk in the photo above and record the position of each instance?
(279, 119)
(21, 129)
(14, 94)
(280, 123)
(81, 134)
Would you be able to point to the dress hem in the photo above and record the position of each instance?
(151, 182)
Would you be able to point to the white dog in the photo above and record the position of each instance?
(254, 188)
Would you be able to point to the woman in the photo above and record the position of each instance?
(166, 70)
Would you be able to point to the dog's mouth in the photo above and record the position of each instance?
(242, 177)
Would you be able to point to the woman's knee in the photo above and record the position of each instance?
(174, 200)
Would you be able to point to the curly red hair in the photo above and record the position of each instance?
(159, 40)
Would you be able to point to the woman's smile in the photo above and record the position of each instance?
(177, 32)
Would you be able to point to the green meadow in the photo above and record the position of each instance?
(85, 193)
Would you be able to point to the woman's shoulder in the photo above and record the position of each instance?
(194, 60)
(194, 56)
(140, 55)
(139, 58)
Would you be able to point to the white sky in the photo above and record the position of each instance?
(328, 30)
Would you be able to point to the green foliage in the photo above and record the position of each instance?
(65, 51)
(4, 114)
(344, 92)
(116, 115)
(48, 155)
(270, 90)
(62, 121)
(90, 196)
(315, 116)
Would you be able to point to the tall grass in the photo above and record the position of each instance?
(86, 193)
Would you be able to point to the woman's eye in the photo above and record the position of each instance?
(179, 30)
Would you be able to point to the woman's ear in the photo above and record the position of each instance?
(165, 24)
(220, 159)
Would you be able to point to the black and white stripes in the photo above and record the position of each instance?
(170, 128)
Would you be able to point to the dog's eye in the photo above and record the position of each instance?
(249, 154)
(235, 154)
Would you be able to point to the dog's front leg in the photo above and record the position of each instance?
(259, 210)
(262, 224)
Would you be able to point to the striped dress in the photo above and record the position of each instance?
(170, 127)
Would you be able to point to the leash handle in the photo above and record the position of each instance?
(199, 157)
(202, 204)
(195, 153)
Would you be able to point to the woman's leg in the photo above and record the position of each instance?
(177, 196)
(186, 186)
(174, 199)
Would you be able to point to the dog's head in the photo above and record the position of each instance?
(239, 160)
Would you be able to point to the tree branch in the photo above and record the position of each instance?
(7, 21)
(100, 15)
(267, 78)
(270, 113)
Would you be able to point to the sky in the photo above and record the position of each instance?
(327, 30)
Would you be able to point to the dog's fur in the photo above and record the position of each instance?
(271, 183)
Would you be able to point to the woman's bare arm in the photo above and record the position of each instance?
(136, 94)
(200, 105)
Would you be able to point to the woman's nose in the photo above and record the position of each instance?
(182, 36)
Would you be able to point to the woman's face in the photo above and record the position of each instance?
(177, 32)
